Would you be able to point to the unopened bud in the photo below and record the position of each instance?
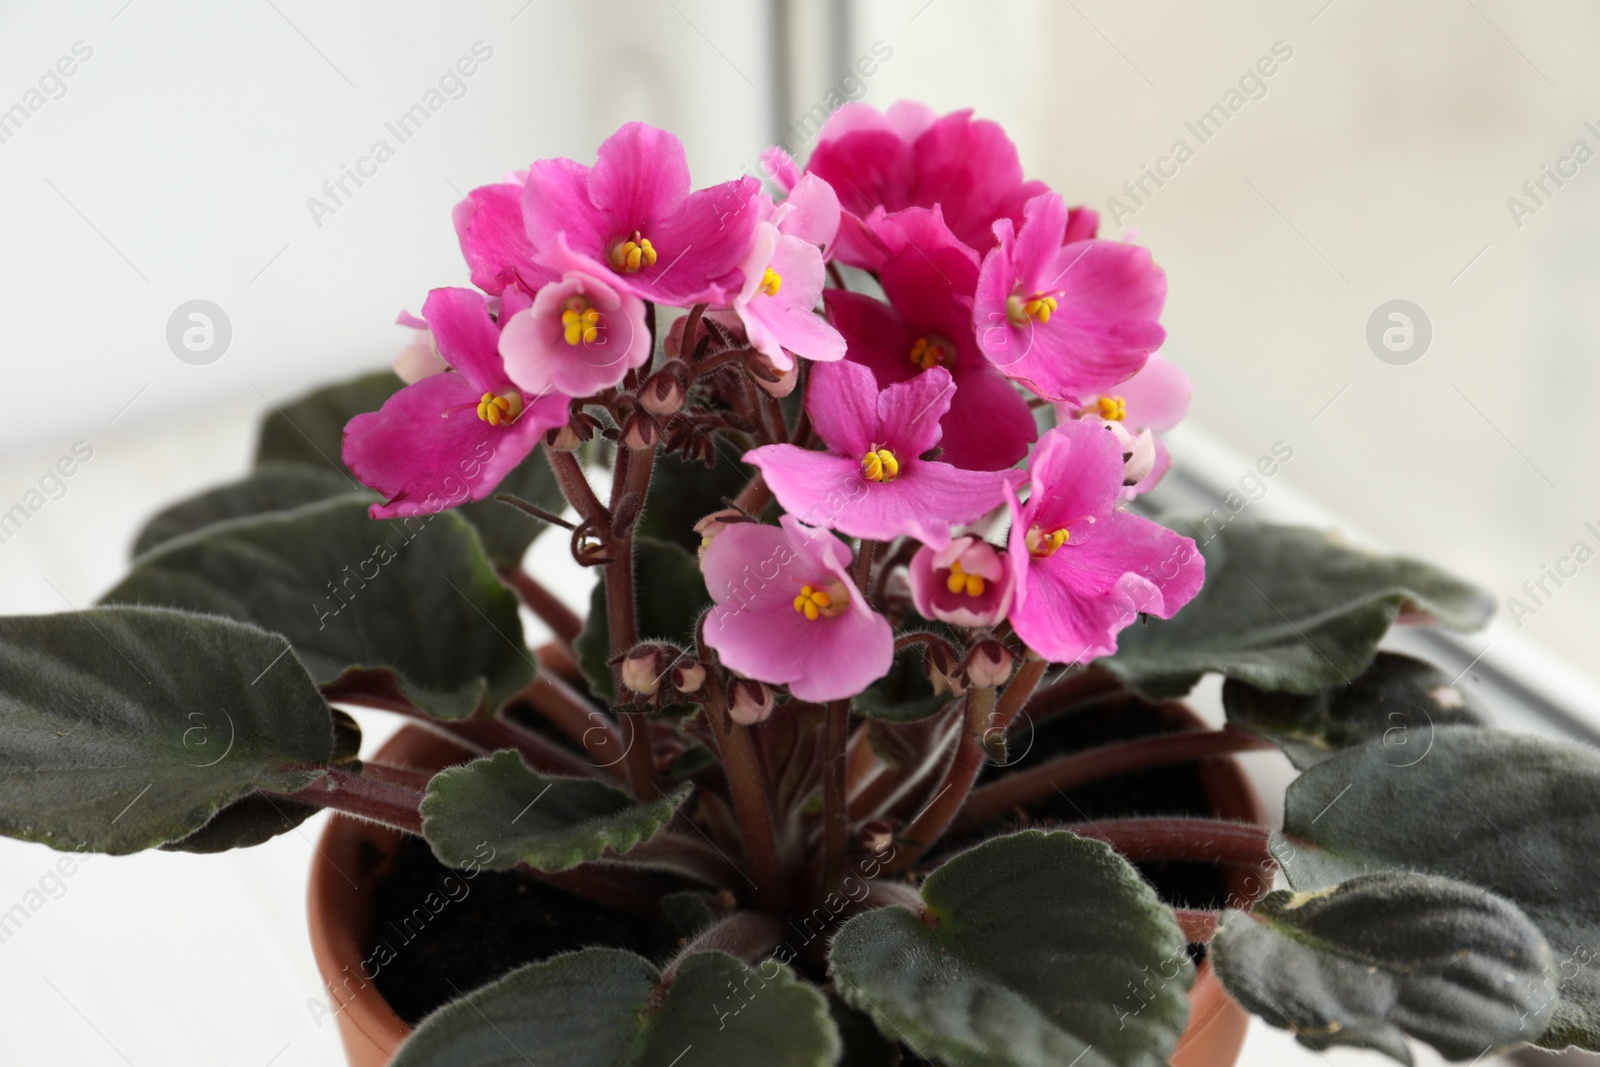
(943, 673)
(664, 393)
(780, 383)
(640, 432)
(713, 524)
(563, 439)
(642, 670)
(877, 835)
(688, 678)
(751, 702)
(1138, 451)
(989, 665)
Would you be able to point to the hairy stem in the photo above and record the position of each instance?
(575, 486)
(1096, 764)
(752, 802)
(1198, 925)
(1076, 689)
(930, 824)
(745, 935)
(363, 796)
(1017, 693)
(632, 477)
(835, 813)
(562, 620)
(631, 892)
(1200, 840)
(754, 497)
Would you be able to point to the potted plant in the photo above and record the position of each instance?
(869, 748)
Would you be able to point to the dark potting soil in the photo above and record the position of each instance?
(448, 934)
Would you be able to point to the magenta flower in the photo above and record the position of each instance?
(493, 240)
(633, 219)
(872, 482)
(1154, 401)
(788, 613)
(580, 336)
(910, 157)
(450, 438)
(966, 583)
(784, 274)
(1066, 320)
(1083, 568)
(928, 323)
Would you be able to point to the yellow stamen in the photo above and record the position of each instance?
(1042, 545)
(817, 604)
(960, 581)
(580, 321)
(633, 255)
(932, 352)
(497, 409)
(1037, 308)
(879, 465)
(1113, 408)
(771, 282)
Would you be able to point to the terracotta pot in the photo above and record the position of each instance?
(353, 856)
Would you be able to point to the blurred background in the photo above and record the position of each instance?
(1380, 225)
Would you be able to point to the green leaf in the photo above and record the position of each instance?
(549, 823)
(1033, 950)
(670, 595)
(310, 431)
(275, 487)
(682, 492)
(1386, 955)
(1511, 814)
(125, 728)
(1287, 608)
(610, 1008)
(414, 597)
(252, 820)
(904, 694)
(1397, 700)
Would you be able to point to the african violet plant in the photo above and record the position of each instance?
(877, 475)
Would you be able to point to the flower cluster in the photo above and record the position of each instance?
(932, 302)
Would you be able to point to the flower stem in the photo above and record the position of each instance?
(1096, 764)
(864, 557)
(746, 935)
(575, 486)
(835, 813)
(562, 620)
(364, 796)
(1198, 925)
(1200, 840)
(931, 823)
(754, 497)
(1017, 693)
(632, 477)
(752, 801)
(571, 712)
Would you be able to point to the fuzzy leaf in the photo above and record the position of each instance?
(549, 823)
(274, 487)
(1035, 950)
(416, 598)
(670, 594)
(1287, 608)
(1397, 700)
(610, 1008)
(126, 728)
(1508, 813)
(1386, 955)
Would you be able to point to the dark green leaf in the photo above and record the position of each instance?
(1034, 950)
(1397, 700)
(249, 821)
(1386, 955)
(1511, 814)
(415, 597)
(126, 728)
(904, 694)
(609, 1008)
(1287, 608)
(311, 430)
(670, 595)
(275, 487)
(549, 823)
(683, 492)
(506, 531)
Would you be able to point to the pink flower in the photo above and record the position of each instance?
(1066, 320)
(633, 220)
(450, 437)
(1083, 568)
(928, 323)
(1151, 402)
(966, 583)
(420, 357)
(910, 157)
(580, 336)
(873, 482)
(788, 613)
(784, 275)
(493, 241)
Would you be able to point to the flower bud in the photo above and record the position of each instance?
(989, 665)
(715, 523)
(780, 383)
(664, 392)
(642, 670)
(420, 359)
(876, 835)
(943, 674)
(688, 678)
(563, 439)
(751, 702)
(639, 432)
